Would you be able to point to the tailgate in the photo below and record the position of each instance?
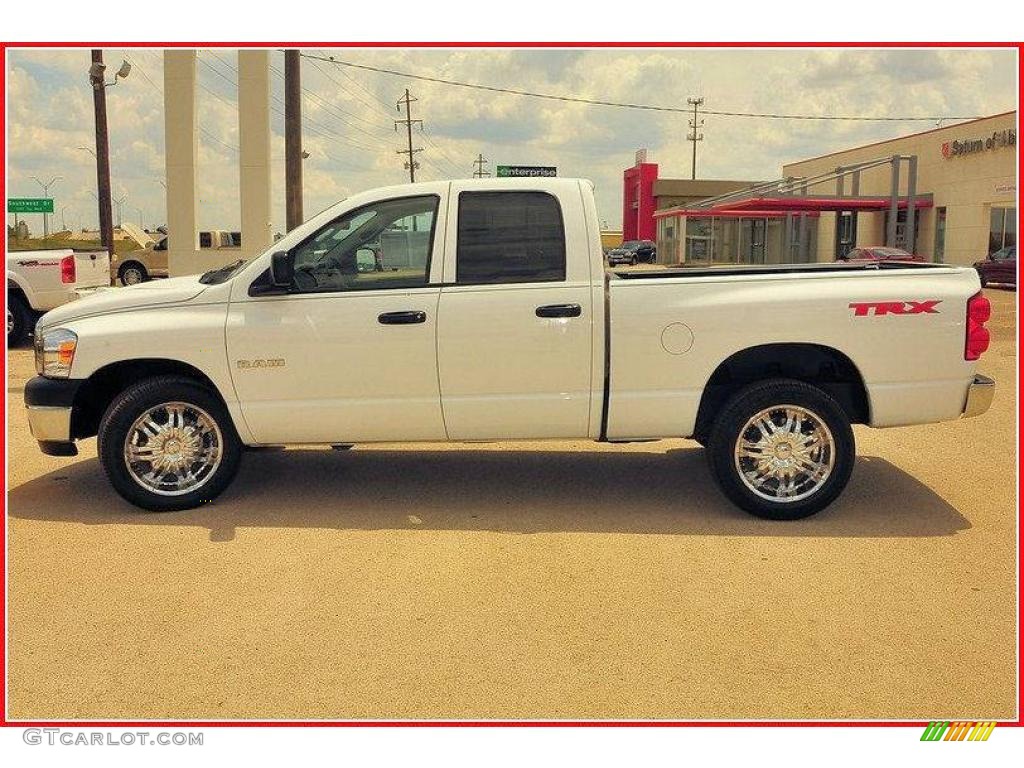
(92, 269)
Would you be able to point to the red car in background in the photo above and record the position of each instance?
(880, 253)
(999, 267)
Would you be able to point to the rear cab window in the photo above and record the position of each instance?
(509, 237)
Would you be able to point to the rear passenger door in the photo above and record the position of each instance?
(515, 320)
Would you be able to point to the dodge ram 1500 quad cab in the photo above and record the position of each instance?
(481, 310)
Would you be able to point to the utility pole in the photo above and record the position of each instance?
(480, 161)
(411, 163)
(99, 103)
(694, 135)
(46, 194)
(292, 139)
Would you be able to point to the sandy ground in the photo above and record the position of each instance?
(565, 580)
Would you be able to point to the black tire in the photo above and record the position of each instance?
(750, 401)
(127, 271)
(130, 405)
(984, 282)
(19, 320)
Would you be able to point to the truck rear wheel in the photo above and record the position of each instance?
(781, 449)
(168, 444)
(19, 320)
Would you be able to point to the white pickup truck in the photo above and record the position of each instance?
(481, 311)
(38, 281)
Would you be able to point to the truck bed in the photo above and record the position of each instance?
(901, 325)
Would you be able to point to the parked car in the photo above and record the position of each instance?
(999, 267)
(38, 281)
(880, 253)
(633, 252)
(494, 319)
(140, 265)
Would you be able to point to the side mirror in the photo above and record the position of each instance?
(282, 269)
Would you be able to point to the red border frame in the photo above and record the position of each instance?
(4, 722)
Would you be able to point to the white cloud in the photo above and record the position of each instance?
(349, 116)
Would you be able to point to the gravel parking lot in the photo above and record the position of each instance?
(535, 580)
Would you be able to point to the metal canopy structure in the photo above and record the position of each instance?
(793, 196)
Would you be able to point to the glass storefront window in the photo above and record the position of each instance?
(698, 239)
(1002, 230)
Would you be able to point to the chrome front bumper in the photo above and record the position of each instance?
(49, 422)
(51, 426)
(979, 396)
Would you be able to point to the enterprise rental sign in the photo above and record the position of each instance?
(525, 171)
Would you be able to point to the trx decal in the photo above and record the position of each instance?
(877, 308)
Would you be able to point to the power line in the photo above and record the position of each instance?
(452, 166)
(338, 113)
(206, 132)
(629, 105)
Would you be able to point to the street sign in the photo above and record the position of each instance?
(29, 205)
(525, 171)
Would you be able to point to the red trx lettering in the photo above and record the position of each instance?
(862, 309)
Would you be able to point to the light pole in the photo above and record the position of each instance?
(46, 194)
(119, 202)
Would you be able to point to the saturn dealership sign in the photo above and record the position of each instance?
(998, 139)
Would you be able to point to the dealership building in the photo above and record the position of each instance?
(948, 194)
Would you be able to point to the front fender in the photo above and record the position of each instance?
(188, 334)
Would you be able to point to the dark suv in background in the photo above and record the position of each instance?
(633, 252)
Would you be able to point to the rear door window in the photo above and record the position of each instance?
(509, 237)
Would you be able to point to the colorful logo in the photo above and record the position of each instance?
(939, 730)
(945, 150)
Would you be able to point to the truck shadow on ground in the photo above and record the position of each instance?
(516, 491)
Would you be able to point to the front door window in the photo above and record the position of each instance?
(382, 245)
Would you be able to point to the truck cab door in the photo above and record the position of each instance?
(349, 353)
(516, 319)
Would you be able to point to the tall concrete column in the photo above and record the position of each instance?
(254, 145)
(181, 139)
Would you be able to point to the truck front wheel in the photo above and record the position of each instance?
(167, 444)
(781, 449)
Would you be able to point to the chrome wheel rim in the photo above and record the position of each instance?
(131, 277)
(10, 322)
(173, 449)
(785, 453)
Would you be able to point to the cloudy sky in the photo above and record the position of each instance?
(349, 113)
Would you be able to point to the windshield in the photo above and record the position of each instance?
(222, 274)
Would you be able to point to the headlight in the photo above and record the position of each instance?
(55, 351)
